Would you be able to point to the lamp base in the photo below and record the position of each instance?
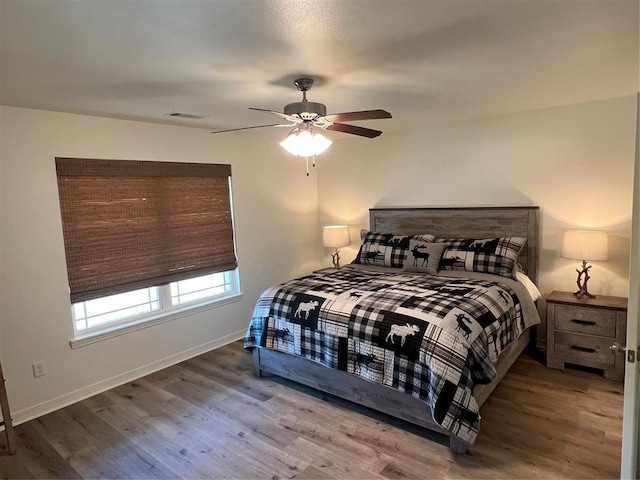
(582, 294)
(583, 278)
(335, 258)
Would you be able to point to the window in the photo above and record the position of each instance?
(144, 238)
(132, 307)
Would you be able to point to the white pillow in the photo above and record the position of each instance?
(529, 285)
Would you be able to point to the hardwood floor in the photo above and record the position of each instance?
(210, 418)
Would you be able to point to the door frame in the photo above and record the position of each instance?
(631, 409)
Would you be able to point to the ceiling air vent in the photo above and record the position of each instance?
(184, 115)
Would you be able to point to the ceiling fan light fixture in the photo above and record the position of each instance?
(303, 142)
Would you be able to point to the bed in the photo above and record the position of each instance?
(356, 321)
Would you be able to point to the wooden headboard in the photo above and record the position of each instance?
(465, 222)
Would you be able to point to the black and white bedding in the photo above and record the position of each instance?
(432, 336)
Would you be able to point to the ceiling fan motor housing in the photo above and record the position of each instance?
(306, 110)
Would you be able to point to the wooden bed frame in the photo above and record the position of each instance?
(453, 222)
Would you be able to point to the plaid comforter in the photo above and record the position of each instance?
(431, 336)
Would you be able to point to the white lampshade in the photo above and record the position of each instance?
(303, 142)
(585, 245)
(336, 236)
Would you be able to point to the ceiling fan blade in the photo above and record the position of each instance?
(249, 128)
(352, 129)
(283, 115)
(355, 116)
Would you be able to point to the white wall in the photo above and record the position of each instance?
(575, 162)
(277, 233)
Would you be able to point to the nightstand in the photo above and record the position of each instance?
(326, 270)
(581, 331)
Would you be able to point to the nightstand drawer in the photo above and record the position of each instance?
(583, 349)
(585, 320)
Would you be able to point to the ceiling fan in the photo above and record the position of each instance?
(304, 116)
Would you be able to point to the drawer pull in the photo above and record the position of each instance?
(583, 322)
(583, 349)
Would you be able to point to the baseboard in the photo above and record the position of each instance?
(91, 390)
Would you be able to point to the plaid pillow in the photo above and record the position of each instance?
(386, 249)
(498, 256)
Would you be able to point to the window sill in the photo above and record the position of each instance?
(168, 316)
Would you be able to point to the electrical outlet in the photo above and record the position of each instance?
(38, 369)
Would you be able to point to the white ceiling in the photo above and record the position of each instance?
(424, 61)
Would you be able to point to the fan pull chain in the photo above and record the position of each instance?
(313, 164)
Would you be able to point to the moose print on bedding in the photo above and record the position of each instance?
(386, 249)
(430, 336)
(401, 331)
(418, 254)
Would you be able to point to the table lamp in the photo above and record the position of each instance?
(585, 245)
(336, 236)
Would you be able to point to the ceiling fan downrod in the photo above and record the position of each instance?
(306, 110)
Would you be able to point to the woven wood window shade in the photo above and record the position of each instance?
(136, 224)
